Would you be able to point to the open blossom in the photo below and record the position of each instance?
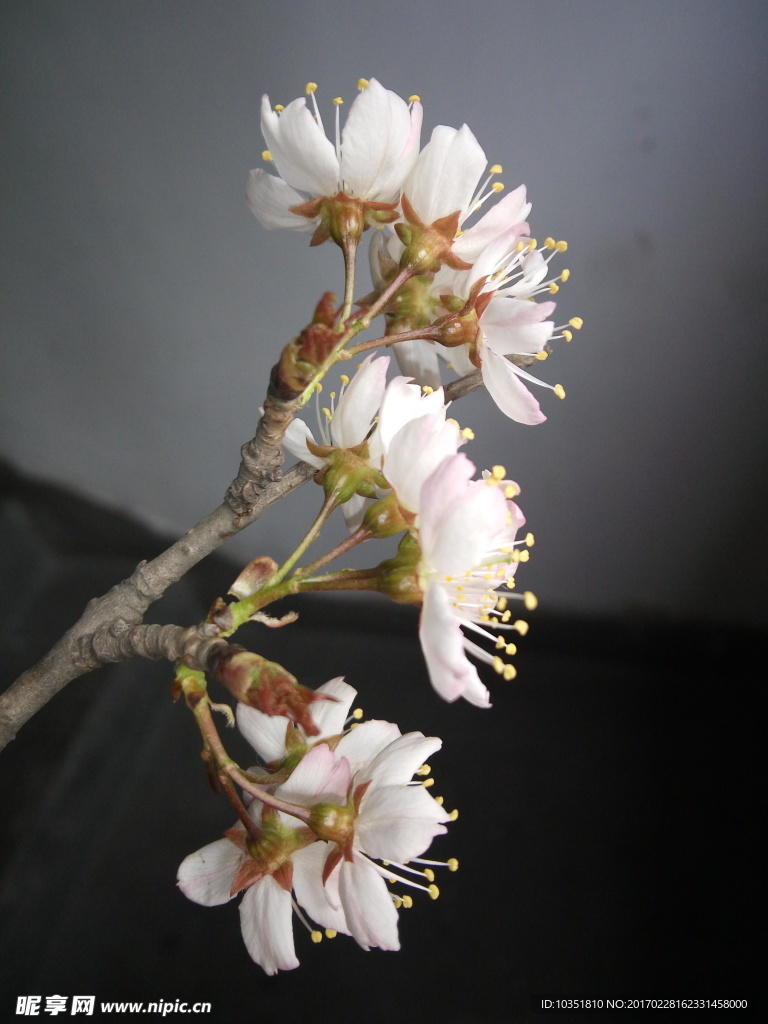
(467, 543)
(368, 160)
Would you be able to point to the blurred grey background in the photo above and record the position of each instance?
(144, 304)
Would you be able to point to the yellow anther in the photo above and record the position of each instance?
(453, 816)
(318, 387)
(520, 246)
(532, 245)
(549, 242)
(439, 800)
(515, 555)
(362, 83)
(576, 323)
(458, 234)
(310, 87)
(427, 783)
(554, 287)
(333, 394)
(530, 540)
(357, 714)
(429, 874)
(398, 902)
(327, 413)
(354, 725)
(501, 604)
(530, 601)
(338, 101)
(414, 99)
(344, 380)
(559, 390)
(567, 335)
(454, 423)
(510, 582)
(510, 649)
(279, 108)
(434, 892)
(496, 169)
(521, 626)
(523, 556)
(407, 902)
(509, 672)
(424, 770)
(498, 665)
(426, 389)
(317, 936)
(266, 155)
(468, 433)
(510, 491)
(565, 274)
(485, 617)
(541, 356)
(331, 933)
(497, 186)
(506, 616)
(501, 643)
(452, 864)
(561, 246)
(449, 579)
(498, 472)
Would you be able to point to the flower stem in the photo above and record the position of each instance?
(361, 534)
(328, 506)
(391, 339)
(350, 259)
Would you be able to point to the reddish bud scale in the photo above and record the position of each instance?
(344, 218)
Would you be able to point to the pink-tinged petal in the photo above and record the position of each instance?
(458, 358)
(265, 733)
(295, 441)
(418, 359)
(317, 778)
(360, 402)
(446, 173)
(206, 876)
(398, 822)
(442, 641)
(512, 397)
(378, 148)
(502, 220)
(415, 452)
(302, 154)
(270, 200)
(396, 763)
(517, 339)
(330, 716)
(535, 268)
(505, 311)
(310, 891)
(446, 485)
(362, 744)
(368, 907)
(266, 914)
(403, 402)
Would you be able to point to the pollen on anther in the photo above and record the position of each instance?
(423, 770)
(279, 108)
(498, 665)
(521, 626)
(501, 604)
(414, 99)
(541, 356)
(559, 390)
(331, 933)
(453, 864)
(510, 491)
(317, 936)
(338, 101)
(501, 643)
(344, 380)
(468, 433)
(429, 874)
(327, 413)
(497, 186)
(509, 672)
(510, 649)
(310, 87)
(496, 169)
(567, 335)
(532, 245)
(427, 783)
(362, 83)
(434, 892)
(438, 799)
(530, 540)
(453, 816)
(266, 155)
(530, 600)
(426, 389)
(357, 714)
(554, 287)
(549, 242)
(565, 274)
(407, 902)
(576, 323)
(498, 472)
(561, 246)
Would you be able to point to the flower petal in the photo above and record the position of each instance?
(418, 359)
(512, 397)
(295, 441)
(368, 907)
(302, 154)
(206, 876)
(398, 822)
(442, 641)
(360, 402)
(361, 745)
(265, 733)
(446, 173)
(396, 763)
(379, 144)
(317, 778)
(330, 716)
(270, 200)
(502, 221)
(310, 891)
(266, 922)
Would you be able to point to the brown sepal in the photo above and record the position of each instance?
(284, 875)
(239, 837)
(248, 873)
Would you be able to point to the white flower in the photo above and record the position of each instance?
(466, 535)
(369, 160)
(214, 874)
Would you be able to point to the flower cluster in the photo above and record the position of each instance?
(364, 808)
(333, 813)
(473, 285)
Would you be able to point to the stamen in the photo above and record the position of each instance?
(362, 83)
(279, 108)
(565, 274)
(576, 323)
(559, 390)
(414, 99)
(266, 155)
(424, 770)
(331, 933)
